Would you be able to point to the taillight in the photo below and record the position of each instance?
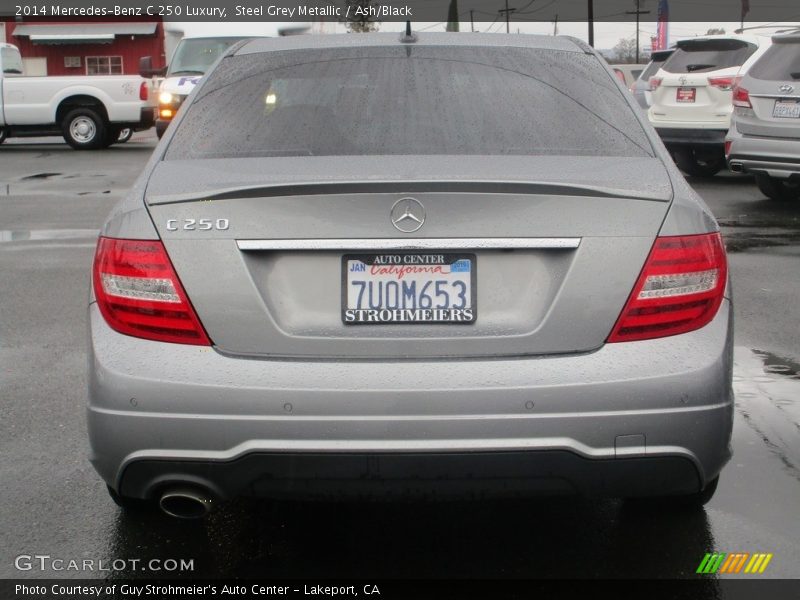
(144, 91)
(680, 288)
(741, 97)
(728, 144)
(139, 293)
(724, 83)
(655, 82)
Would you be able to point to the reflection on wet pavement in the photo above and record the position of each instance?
(558, 537)
(767, 389)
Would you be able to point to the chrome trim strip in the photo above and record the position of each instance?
(776, 96)
(410, 244)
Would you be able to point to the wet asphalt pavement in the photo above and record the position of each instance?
(52, 201)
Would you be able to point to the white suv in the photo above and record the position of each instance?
(692, 102)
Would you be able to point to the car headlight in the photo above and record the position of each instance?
(165, 98)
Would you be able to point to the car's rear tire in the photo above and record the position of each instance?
(84, 129)
(778, 189)
(698, 164)
(131, 504)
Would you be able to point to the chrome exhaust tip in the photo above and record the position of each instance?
(186, 502)
(736, 167)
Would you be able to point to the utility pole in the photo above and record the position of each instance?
(508, 12)
(555, 26)
(471, 21)
(590, 18)
(637, 12)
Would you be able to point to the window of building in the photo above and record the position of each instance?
(104, 65)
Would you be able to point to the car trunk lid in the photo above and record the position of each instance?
(557, 244)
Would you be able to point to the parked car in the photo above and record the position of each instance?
(691, 99)
(89, 111)
(325, 283)
(627, 74)
(641, 87)
(764, 138)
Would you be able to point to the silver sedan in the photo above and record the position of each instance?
(419, 264)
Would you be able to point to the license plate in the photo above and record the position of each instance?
(408, 288)
(686, 94)
(786, 109)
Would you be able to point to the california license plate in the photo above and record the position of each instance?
(786, 109)
(408, 288)
(686, 94)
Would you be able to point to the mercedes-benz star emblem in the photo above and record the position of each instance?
(786, 88)
(408, 215)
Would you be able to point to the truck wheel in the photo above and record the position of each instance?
(698, 164)
(3, 134)
(84, 129)
(778, 189)
(124, 135)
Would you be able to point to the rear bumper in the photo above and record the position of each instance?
(641, 418)
(675, 136)
(779, 158)
(444, 475)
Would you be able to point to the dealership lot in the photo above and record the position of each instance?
(53, 200)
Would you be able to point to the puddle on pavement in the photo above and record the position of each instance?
(11, 235)
(767, 391)
(39, 176)
(740, 236)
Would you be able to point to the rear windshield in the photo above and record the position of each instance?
(409, 100)
(708, 55)
(780, 63)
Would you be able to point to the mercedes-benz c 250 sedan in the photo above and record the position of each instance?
(434, 264)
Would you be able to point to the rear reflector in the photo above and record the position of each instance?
(724, 83)
(680, 288)
(139, 293)
(741, 97)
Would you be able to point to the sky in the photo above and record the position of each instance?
(606, 34)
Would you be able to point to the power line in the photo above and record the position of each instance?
(637, 12)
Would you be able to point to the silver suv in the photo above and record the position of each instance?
(764, 138)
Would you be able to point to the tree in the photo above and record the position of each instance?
(625, 50)
(361, 20)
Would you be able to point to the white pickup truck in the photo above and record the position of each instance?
(90, 111)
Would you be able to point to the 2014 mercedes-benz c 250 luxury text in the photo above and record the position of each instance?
(409, 264)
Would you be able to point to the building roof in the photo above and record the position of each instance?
(84, 33)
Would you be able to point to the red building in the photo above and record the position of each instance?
(96, 47)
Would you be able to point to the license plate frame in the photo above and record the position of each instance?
(412, 318)
(686, 94)
(793, 114)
